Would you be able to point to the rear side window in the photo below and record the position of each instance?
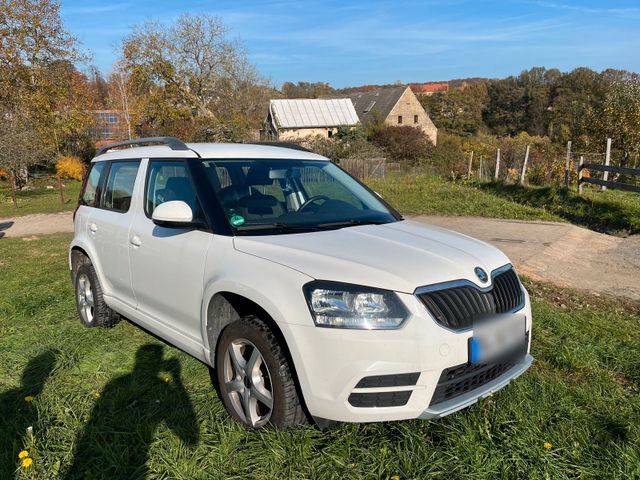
(91, 185)
(119, 187)
(169, 181)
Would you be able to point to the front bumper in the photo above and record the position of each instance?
(330, 363)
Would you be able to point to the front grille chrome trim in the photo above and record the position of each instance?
(480, 305)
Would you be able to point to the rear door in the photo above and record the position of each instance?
(167, 264)
(109, 226)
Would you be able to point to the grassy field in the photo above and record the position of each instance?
(119, 404)
(38, 198)
(612, 212)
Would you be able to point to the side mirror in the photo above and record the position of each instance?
(175, 213)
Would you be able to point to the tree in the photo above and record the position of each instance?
(190, 73)
(621, 116)
(43, 98)
(306, 89)
(402, 143)
(458, 110)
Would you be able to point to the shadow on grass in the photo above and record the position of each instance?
(115, 442)
(17, 414)
(601, 216)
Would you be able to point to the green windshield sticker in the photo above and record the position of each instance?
(237, 220)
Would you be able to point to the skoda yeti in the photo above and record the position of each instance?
(307, 295)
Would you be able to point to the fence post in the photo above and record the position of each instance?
(13, 190)
(61, 189)
(497, 164)
(607, 159)
(580, 174)
(566, 165)
(470, 165)
(524, 165)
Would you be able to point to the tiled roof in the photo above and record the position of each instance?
(310, 113)
(374, 102)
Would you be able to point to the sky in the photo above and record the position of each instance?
(349, 43)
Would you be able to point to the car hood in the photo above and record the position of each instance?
(398, 256)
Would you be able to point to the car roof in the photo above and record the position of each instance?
(211, 151)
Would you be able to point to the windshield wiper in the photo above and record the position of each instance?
(348, 223)
(276, 226)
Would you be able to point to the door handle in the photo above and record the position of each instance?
(136, 241)
(93, 227)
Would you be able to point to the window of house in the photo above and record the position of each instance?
(399, 119)
(119, 187)
(90, 187)
(415, 119)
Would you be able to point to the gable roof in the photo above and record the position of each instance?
(381, 101)
(310, 113)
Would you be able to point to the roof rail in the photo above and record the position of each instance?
(291, 145)
(171, 142)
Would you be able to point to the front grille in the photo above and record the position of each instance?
(458, 380)
(380, 399)
(457, 307)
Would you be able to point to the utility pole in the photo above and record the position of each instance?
(497, 164)
(470, 165)
(580, 174)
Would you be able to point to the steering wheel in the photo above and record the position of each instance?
(314, 199)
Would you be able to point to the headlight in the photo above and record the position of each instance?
(342, 305)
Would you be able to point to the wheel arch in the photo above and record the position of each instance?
(225, 307)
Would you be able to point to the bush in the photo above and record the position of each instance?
(402, 143)
(4, 173)
(70, 167)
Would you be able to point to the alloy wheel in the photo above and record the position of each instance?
(248, 383)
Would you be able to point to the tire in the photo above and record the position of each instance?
(268, 395)
(92, 309)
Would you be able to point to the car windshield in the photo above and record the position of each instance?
(284, 196)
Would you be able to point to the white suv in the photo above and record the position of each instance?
(307, 295)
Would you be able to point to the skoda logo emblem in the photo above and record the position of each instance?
(481, 274)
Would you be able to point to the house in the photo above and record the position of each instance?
(429, 88)
(108, 126)
(296, 119)
(395, 106)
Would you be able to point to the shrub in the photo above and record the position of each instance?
(4, 173)
(402, 143)
(70, 167)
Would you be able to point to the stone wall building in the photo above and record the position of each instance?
(395, 106)
(297, 119)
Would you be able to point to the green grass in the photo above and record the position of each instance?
(431, 195)
(613, 212)
(38, 198)
(608, 211)
(582, 395)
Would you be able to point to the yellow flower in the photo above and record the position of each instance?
(395, 477)
(28, 398)
(97, 394)
(547, 445)
(23, 454)
(26, 462)
(167, 379)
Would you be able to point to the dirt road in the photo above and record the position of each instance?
(559, 253)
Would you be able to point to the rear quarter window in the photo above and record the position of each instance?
(88, 195)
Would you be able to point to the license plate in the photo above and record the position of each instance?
(496, 337)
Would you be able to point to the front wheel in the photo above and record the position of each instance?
(254, 377)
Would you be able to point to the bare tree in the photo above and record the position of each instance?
(191, 70)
